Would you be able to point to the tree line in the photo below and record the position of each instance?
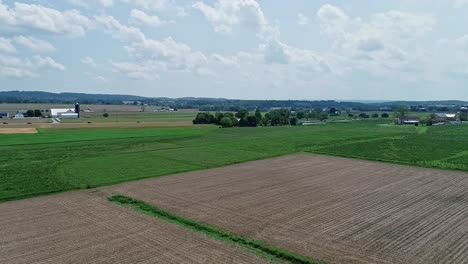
(244, 118)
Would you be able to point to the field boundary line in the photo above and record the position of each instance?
(259, 247)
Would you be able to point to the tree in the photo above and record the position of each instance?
(218, 117)
(464, 114)
(258, 116)
(105, 115)
(203, 118)
(332, 111)
(385, 115)
(402, 111)
(363, 115)
(375, 115)
(37, 113)
(29, 113)
(350, 115)
(266, 119)
(226, 122)
(300, 114)
(313, 115)
(242, 113)
(426, 121)
(252, 121)
(323, 116)
(280, 117)
(293, 121)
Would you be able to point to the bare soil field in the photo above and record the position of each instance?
(24, 130)
(328, 208)
(83, 227)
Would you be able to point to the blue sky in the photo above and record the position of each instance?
(302, 49)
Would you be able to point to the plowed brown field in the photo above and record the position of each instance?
(328, 208)
(18, 130)
(83, 227)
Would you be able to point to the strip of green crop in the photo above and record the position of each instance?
(259, 247)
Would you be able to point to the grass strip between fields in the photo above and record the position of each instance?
(259, 247)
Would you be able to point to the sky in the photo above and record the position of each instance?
(245, 49)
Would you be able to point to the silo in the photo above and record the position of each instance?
(77, 109)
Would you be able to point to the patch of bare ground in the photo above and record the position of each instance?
(83, 227)
(328, 208)
(18, 130)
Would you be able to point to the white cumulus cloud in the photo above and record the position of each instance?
(89, 3)
(138, 17)
(149, 4)
(34, 44)
(48, 63)
(6, 45)
(14, 67)
(37, 17)
(89, 61)
(225, 14)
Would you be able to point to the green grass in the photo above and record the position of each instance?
(259, 247)
(56, 160)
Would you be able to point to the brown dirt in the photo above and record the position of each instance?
(24, 130)
(329, 208)
(82, 227)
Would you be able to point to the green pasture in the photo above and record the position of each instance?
(56, 160)
(127, 117)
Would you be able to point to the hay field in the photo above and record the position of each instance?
(328, 208)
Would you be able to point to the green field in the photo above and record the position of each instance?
(56, 160)
(126, 117)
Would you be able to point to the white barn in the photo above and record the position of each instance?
(63, 113)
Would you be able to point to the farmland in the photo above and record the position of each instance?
(61, 159)
(126, 117)
(333, 209)
(85, 228)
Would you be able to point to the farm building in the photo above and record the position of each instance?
(408, 120)
(4, 115)
(66, 112)
(63, 113)
(19, 114)
(442, 117)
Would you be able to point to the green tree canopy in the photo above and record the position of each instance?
(402, 111)
(226, 122)
(242, 113)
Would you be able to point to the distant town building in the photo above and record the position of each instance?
(442, 117)
(5, 115)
